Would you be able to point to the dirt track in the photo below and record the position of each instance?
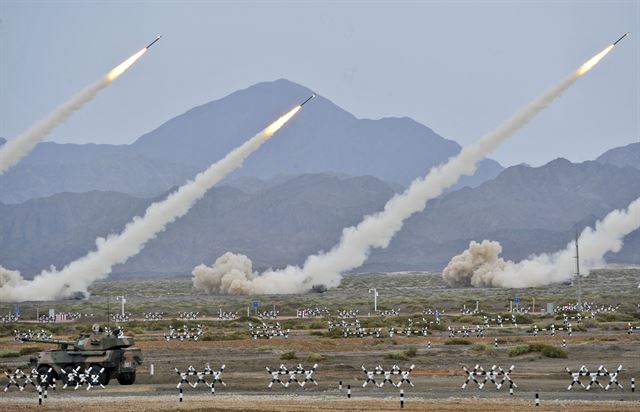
(287, 403)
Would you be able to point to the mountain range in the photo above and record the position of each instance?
(281, 221)
(322, 137)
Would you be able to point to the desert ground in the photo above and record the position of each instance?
(539, 362)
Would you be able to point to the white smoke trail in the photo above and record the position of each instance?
(377, 230)
(481, 266)
(14, 150)
(78, 275)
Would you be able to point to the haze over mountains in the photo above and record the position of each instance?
(323, 172)
(320, 139)
(529, 210)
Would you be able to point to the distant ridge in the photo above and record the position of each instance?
(323, 137)
(628, 155)
(282, 221)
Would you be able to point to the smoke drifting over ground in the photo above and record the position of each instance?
(118, 248)
(9, 278)
(377, 230)
(475, 266)
(230, 274)
(15, 149)
(481, 266)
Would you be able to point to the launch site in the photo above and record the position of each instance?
(285, 206)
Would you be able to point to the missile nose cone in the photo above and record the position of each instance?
(312, 96)
(152, 43)
(623, 36)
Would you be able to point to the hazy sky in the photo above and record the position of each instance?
(457, 67)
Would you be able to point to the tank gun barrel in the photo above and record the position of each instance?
(52, 341)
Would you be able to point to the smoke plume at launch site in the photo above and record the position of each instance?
(481, 265)
(230, 274)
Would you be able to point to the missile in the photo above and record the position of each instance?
(623, 36)
(158, 38)
(312, 96)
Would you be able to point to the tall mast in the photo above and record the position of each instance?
(108, 308)
(578, 277)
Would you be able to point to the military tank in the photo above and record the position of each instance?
(112, 351)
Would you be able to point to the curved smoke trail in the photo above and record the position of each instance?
(14, 150)
(377, 230)
(481, 265)
(115, 249)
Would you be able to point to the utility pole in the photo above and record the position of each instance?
(375, 299)
(123, 302)
(578, 284)
(108, 309)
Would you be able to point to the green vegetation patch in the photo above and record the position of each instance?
(545, 350)
(482, 347)
(9, 354)
(402, 354)
(288, 355)
(223, 336)
(613, 317)
(457, 341)
(398, 355)
(29, 350)
(315, 357)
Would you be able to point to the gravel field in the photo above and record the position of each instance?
(438, 373)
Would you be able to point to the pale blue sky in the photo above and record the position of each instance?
(457, 67)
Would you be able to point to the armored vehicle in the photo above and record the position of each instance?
(112, 351)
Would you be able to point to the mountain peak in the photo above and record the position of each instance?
(280, 89)
(559, 163)
(282, 84)
(323, 137)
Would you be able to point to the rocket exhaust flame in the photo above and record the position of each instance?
(481, 265)
(118, 248)
(588, 65)
(14, 150)
(275, 126)
(122, 67)
(377, 230)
